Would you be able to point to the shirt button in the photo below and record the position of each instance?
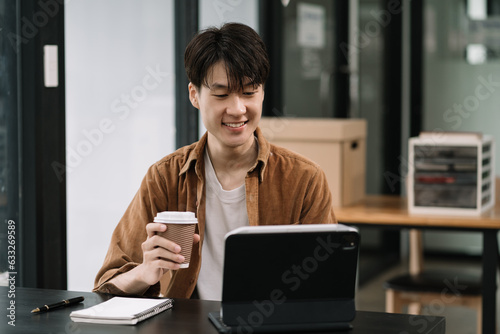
(191, 281)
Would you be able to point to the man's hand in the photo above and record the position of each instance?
(159, 255)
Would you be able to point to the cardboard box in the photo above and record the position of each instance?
(337, 145)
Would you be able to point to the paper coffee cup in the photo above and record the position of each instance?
(180, 229)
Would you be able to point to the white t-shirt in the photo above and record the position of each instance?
(225, 211)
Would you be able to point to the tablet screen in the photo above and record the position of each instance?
(290, 266)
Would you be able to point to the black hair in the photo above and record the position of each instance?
(238, 46)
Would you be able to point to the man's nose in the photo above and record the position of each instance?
(236, 106)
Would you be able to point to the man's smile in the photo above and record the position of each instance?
(235, 125)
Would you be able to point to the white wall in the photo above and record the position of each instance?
(119, 116)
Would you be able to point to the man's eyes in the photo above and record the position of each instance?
(226, 95)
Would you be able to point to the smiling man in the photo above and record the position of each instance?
(232, 177)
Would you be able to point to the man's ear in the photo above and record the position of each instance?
(193, 95)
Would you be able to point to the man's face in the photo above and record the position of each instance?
(230, 117)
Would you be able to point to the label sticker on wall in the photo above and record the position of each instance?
(50, 66)
(311, 21)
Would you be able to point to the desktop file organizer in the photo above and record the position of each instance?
(451, 173)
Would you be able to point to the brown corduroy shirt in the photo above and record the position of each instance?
(281, 188)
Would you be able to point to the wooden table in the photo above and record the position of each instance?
(392, 211)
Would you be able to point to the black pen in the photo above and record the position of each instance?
(63, 303)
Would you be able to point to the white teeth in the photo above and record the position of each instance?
(234, 125)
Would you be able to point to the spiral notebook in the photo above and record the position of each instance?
(122, 311)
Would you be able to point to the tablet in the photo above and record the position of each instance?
(286, 277)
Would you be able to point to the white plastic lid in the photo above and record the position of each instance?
(178, 217)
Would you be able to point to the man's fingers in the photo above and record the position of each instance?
(153, 228)
(165, 264)
(157, 241)
(162, 254)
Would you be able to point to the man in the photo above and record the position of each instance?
(232, 177)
